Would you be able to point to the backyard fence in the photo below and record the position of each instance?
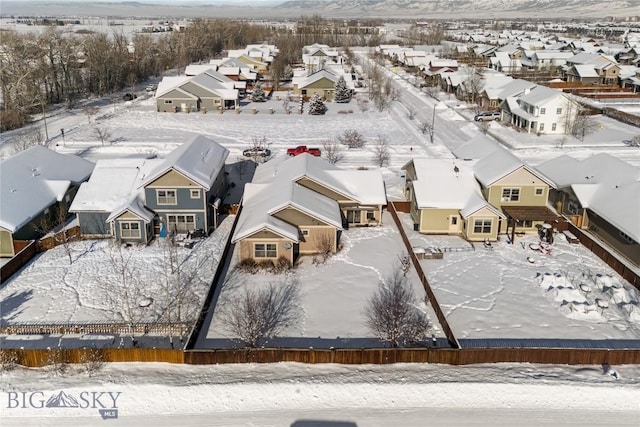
(604, 254)
(467, 356)
(442, 319)
(50, 242)
(25, 251)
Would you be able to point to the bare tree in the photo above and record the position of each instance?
(352, 139)
(91, 111)
(331, 151)
(324, 245)
(381, 153)
(55, 222)
(27, 138)
(102, 134)
(472, 84)
(392, 314)
(582, 125)
(258, 314)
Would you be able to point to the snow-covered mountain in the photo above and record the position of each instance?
(467, 8)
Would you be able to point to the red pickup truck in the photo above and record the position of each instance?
(303, 149)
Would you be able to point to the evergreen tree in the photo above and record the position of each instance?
(258, 94)
(316, 105)
(342, 94)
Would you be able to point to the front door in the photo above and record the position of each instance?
(453, 224)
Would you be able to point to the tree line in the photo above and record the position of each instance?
(53, 68)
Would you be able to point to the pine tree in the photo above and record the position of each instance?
(342, 94)
(258, 94)
(316, 105)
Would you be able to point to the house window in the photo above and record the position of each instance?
(166, 197)
(129, 230)
(265, 250)
(304, 232)
(527, 223)
(553, 126)
(559, 110)
(353, 217)
(510, 194)
(482, 226)
(168, 101)
(195, 194)
(454, 220)
(181, 223)
(371, 216)
(539, 191)
(541, 127)
(542, 111)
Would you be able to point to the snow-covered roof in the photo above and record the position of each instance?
(33, 180)
(195, 69)
(476, 148)
(603, 183)
(169, 83)
(585, 70)
(200, 159)
(135, 206)
(540, 95)
(499, 164)
(112, 184)
(304, 81)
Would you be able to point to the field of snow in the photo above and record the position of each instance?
(299, 395)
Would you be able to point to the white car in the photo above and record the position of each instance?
(487, 116)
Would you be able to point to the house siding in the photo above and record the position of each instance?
(305, 182)
(310, 243)
(129, 217)
(297, 218)
(6, 244)
(437, 221)
(612, 236)
(526, 182)
(94, 223)
(208, 99)
(476, 237)
(178, 99)
(246, 248)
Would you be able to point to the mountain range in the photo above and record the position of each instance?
(401, 9)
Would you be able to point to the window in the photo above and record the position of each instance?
(527, 223)
(166, 197)
(168, 101)
(181, 223)
(265, 250)
(541, 127)
(454, 220)
(553, 126)
(371, 216)
(353, 217)
(482, 226)
(559, 110)
(304, 232)
(129, 230)
(542, 111)
(195, 194)
(510, 194)
(539, 191)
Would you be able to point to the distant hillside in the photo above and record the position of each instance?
(410, 9)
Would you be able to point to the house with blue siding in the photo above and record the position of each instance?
(133, 199)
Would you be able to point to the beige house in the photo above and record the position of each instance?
(520, 192)
(208, 90)
(446, 199)
(301, 205)
(322, 82)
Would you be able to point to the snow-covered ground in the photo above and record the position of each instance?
(292, 394)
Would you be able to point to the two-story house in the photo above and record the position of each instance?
(37, 186)
(540, 110)
(301, 205)
(135, 199)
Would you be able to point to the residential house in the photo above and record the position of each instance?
(208, 90)
(540, 110)
(600, 194)
(446, 199)
(315, 57)
(583, 73)
(301, 205)
(496, 90)
(135, 199)
(322, 82)
(37, 186)
(545, 59)
(517, 190)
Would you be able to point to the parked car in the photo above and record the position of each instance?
(151, 88)
(487, 116)
(256, 152)
(300, 149)
(129, 96)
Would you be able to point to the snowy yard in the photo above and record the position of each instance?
(499, 293)
(333, 296)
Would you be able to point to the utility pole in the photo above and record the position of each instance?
(433, 123)
(44, 119)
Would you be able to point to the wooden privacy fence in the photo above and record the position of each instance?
(50, 242)
(467, 356)
(27, 250)
(423, 278)
(602, 253)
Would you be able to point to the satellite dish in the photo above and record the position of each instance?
(287, 245)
